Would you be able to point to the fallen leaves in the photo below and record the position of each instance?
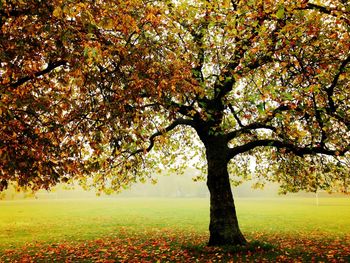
(170, 245)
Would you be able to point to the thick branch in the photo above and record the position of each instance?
(330, 89)
(326, 10)
(34, 9)
(248, 128)
(51, 66)
(17, 12)
(300, 151)
(256, 125)
(186, 110)
(320, 8)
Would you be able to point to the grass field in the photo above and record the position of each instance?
(171, 230)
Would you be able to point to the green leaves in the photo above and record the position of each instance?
(261, 108)
(280, 12)
(258, 70)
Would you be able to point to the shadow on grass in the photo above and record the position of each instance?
(183, 247)
(250, 251)
(249, 247)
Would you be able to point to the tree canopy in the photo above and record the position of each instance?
(105, 81)
(89, 88)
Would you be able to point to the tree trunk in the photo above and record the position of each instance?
(223, 228)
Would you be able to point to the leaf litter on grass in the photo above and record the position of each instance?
(167, 245)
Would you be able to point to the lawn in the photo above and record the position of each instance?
(171, 230)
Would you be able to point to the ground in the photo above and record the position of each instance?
(172, 230)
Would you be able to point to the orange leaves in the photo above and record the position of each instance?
(133, 67)
(174, 246)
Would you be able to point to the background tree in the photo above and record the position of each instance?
(89, 88)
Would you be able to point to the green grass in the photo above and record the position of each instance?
(59, 220)
(295, 215)
(180, 222)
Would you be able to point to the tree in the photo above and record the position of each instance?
(89, 88)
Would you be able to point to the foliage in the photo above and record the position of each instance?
(88, 88)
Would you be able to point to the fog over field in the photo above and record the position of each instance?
(167, 186)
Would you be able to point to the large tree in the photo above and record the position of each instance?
(107, 92)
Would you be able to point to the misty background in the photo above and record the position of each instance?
(168, 186)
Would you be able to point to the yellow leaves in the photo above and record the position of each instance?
(226, 4)
(54, 161)
(57, 12)
(92, 52)
(154, 181)
(151, 17)
(157, 63)
(71, 9)
(342, 76)
(80, 6)
(107, 23)
(301, 135)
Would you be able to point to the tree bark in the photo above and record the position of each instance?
(223, 228)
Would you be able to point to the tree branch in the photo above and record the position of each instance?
(235, 115)
(247, 129)
(257, 125)
(319, 121)
(326, 10)
(300, 151)
(169, 128)
(51, 66)
(198, 38)
(320, 8)
(222, 89)
(17, 12)
(330, 89)
(34, 9)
